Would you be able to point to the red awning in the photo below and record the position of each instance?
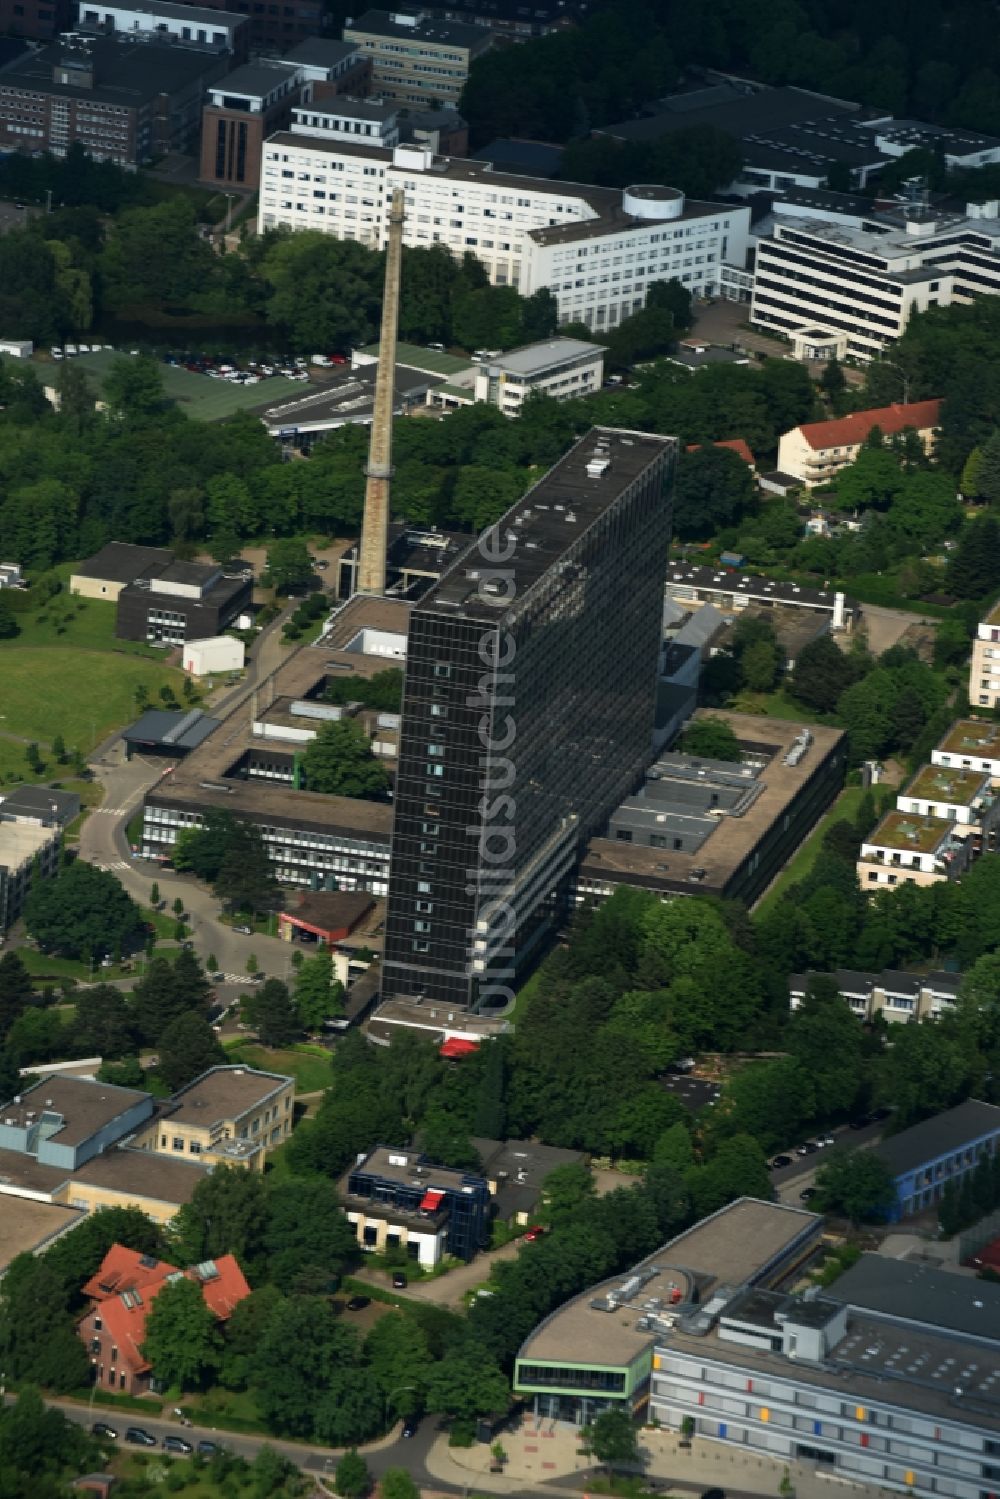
(456, 1047)
(432, 1201)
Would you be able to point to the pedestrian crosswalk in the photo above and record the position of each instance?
(112, 864)
(113, 811)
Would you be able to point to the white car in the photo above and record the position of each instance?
(70, 350)
(83, 348)
(56, 353)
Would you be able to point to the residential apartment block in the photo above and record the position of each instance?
(971, 744)
(596, 249)
(29, 850)
(815, 451)
(892, 994)
(945, 817)
(417, 59)
(984, 672)
(568, 588)
(866, 283)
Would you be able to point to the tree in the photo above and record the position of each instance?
(302, 1338)
(182, 1339)
(975, 564)
(828, 1041)
(158, 1000)
(399, 1356)
(317, 995)
(16, 991)
(857, 1184)
(396, 1483)
(34, 759)
(823, 672)
(103, 1023)
(188, 1047)
(308, 1240)
(227, 1214)
(9, 627)
(289, 565)
(339, 761)
(467, 1384)
(133, 388)
(711, 738)
(491, 1113)
(987, 473)
(352, 1479)
(246, 879)
(270, 1011)
(82, 911)
(38, 1341)
(612, 1438)
(714, 488)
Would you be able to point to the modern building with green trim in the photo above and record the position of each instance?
(595, 1353)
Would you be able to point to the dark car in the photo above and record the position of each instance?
(176, 1444)
(102, 1429)
(807, 1194)
(188, 946)
(779, 1161)
(410, 1426)
(358, 1303)
(207, 1448)
(879, 1114)
(139, 1436)
(399, 1281)
(862, 1122)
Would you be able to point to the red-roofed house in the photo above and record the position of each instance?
(123, 1290)
(734, 444)
(456, 1047)
(816, 451)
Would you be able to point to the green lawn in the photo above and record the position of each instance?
(309, 1066)
(205, 399)
(845, 807)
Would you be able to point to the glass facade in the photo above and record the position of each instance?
(527, 715)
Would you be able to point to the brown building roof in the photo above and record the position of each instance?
(85, 1105)
(225, 1093)
(331, 910)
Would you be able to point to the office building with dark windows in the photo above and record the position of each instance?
(528, 710)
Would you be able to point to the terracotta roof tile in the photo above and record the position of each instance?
(846, 431)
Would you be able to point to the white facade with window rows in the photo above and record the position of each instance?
(596, 249)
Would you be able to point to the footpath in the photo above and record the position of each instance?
(546, 1455)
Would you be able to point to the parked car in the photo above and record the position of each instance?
(207, 1448)
(244, 931)
(177, 1444)
(779, 1161)
(536, 1231)
(807, 1194)
(410, 1426)
(358, 1303)
(102, 1429)
(399, 1281)
(808, 1148)
(139, 1436)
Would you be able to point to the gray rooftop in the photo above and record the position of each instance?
(749, 585)
(733, 109)
(550, 518)
(129, 72)
(349, 398)
(43, 803)
(120, 562)
(321, 52)
(442, 33)
(21, 841)
(181, 729)
(938, 1299)
(225, 1093)
(540, 358)
(947, 1132)
(351, 109)
(254, 79)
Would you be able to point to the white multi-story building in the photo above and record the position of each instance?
(596, 249)
(829, 278)
(984, 672)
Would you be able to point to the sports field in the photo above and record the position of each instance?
(200, 397)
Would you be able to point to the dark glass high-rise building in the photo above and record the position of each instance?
(527, 715)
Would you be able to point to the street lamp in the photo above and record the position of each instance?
(892, 365)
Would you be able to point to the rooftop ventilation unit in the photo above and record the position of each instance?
(598, 465)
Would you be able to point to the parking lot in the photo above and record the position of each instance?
(205, 398)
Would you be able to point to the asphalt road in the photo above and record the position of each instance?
(103, 838)
(790, 1181)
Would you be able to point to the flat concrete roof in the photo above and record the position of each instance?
(85, 1105)
(143, 1174)
(552, 354)
(547, 520)
(731, 1247)
(953, 1130)
(21, 841)
(224, 1093)
(735, 837)
(24, 1225)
